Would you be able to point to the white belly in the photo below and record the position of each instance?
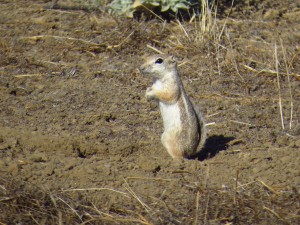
(170, 115)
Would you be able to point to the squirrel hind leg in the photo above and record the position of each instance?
(170, 142)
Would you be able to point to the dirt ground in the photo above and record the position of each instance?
(79, 143)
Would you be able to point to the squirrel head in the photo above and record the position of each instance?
(158, 66)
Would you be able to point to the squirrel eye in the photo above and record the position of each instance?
(159, 61)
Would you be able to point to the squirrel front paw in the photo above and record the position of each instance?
(149, 94)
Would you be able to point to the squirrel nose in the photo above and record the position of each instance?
(142, 68)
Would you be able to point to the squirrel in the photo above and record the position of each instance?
(184, 129)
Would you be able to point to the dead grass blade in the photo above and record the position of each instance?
(208, 196)
(205, 220)
(289, 83)
(196, 209)
(114, 219)
(236, 188)
(225, 23)
(148, 178)
(95, 209)
(155, 49)
(183, 29)
(128, 188)
(153, 13)
(242, 123)
(144, 220)
(233, 58)
(278, 85)
(72, 209)
(96, 189)
(205, 23)
(122, 42)
(275, 214)
(28, 75)
(42, 37)
(130, 220)
(269, 188)
(268, 71)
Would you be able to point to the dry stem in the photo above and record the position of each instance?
(269, 188)
(128, 188)
(274, 213)
(289, 83)
(197, 209)
(278, 84)
(96, 189)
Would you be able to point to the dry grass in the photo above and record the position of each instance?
(239, 62)
(249, 203)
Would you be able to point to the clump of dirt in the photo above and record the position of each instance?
(80, 144)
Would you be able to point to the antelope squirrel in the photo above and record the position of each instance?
(184, 129)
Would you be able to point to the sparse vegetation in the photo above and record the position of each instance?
(243, 204)
(79, 145)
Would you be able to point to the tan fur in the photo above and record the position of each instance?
(184, 130)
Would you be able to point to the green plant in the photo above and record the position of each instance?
(121, 7)
(128, 7)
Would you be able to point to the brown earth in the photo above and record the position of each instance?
(79, 144)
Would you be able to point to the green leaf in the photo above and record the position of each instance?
(165, 8)
(179, 6)
(154, 3)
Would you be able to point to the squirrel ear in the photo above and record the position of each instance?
(173, 58)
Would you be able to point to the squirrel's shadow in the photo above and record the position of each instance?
(213, 146)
